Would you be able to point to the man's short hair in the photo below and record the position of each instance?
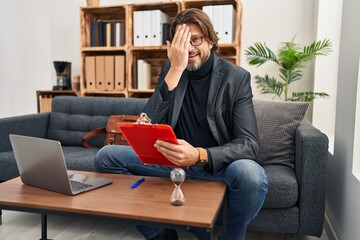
(201, 19)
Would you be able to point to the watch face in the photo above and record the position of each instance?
(200, 164)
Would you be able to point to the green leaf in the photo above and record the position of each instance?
(269, 85)
(259, 54)
(290, 76)
(307, 96)
(317, 48)
(288, 55)
(295, 76)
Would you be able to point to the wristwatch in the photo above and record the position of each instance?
(201, 163)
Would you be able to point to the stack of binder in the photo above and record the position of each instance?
(150, 28)
(223, 18)
(105, 72)
(143, 74)
(107, 33)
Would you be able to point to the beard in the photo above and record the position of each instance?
(193, 66)
(196, 65)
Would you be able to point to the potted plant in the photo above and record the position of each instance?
(290, 59)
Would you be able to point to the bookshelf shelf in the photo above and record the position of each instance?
(141, 91)
(102, 49)
(105, 93)
(146, 48)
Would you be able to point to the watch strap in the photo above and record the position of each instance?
(201, 163)
(202, 153)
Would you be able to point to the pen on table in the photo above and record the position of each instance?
(137, 183)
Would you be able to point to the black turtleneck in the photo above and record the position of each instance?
(192, 124)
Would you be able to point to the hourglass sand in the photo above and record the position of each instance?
(177, 175)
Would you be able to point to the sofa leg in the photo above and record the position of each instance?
(0, 217)
(289, 236)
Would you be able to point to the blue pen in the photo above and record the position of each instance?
(137, 183)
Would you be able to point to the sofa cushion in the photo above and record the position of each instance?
(277, 121)
(8, 166)
(72, 117)
(283, 220)
(283, 187)
(79, 158)
(69, 129)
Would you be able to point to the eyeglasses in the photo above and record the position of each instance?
(196, 41)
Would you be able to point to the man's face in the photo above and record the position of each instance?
(198, 55)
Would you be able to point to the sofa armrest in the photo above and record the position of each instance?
(311, 154)
(34, 125)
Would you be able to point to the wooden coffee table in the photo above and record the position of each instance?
(148, 204)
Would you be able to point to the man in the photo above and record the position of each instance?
(208, 102)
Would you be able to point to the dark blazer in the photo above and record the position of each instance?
(230, 111)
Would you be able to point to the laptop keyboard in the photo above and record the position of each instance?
(77, 186)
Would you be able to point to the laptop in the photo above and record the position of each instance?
(41, 163)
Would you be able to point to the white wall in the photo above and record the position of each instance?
(329, 16)
(343, 195)
(24, 54)
(65, 34)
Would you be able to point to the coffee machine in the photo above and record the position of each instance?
(63, 75)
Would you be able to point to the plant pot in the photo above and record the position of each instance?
(92, 3)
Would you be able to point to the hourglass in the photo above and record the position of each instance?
(177, 175)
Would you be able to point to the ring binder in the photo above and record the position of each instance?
(143, 119)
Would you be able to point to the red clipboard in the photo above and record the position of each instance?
(142, 138)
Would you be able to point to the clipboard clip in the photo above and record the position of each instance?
(143, 119)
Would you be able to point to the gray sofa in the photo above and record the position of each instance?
(293, 153)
